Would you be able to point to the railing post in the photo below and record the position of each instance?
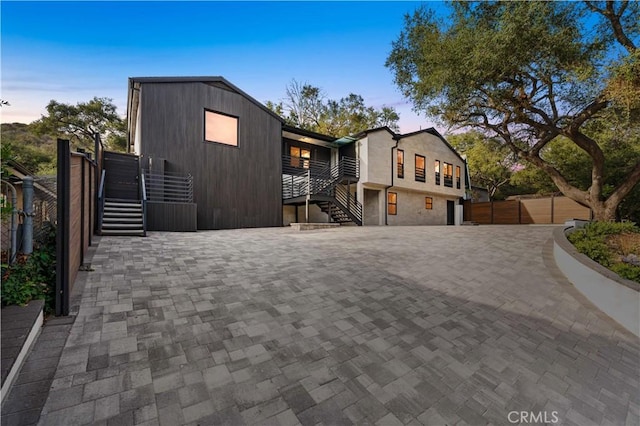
(308, 195)
(27, 207)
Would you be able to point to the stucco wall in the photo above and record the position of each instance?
(615, 296)
(411, 209)
(432, 148)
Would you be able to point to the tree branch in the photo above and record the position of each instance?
(614, 19)
(629, 182)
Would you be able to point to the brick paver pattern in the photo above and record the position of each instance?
(384, 326)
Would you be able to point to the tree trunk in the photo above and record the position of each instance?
(603, 212)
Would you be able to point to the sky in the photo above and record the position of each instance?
(73, 51)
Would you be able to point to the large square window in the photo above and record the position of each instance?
(220, 128)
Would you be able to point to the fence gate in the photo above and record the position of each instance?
(122, 174)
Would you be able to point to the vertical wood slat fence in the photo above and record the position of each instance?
(76, 182)
(546, 210)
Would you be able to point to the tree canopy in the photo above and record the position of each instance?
(491, 164)
(307, 107)
(83, 121)
(529, 73)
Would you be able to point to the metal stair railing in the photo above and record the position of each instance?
(168, 187)
(322, 179)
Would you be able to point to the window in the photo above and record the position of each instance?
(392, 203)
(400, 163)
(437, 172)
(448, 175)
(428, 203)
(220, 128)
(299, 157)
(458, 177)
(420, 163)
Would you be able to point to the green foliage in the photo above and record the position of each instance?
(34, 277)
(591, 240)
(19, 143)
(625, 270)
(594, 248)
(81, 122)
(490, 163)
(307, 107)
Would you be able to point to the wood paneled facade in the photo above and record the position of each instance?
(233, 186)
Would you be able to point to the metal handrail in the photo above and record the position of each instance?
(144, 204)
(101, 199)
(165, 187)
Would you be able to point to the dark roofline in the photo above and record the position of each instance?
(205, 79)
(309, 133)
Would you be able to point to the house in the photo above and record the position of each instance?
(409, 179)
(224, 143)
(212, 157)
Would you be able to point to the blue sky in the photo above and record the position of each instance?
(72, 51)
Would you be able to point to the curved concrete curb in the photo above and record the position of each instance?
(615, 296)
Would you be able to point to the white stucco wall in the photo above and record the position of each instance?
(377, 162)
(601, 286)
(411, 209)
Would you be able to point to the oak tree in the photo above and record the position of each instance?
(529, 73)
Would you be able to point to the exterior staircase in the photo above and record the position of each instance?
(337, 214)
(121, 196)
(324, 187)
(123, 217)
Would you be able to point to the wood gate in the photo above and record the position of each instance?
(122, 175)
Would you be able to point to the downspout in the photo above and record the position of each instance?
(467, 192)
(386, 195)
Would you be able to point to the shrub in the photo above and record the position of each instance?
(595, 249)
(33, 277)
(601, 241)
(628, 271)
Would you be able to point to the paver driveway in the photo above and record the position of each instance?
(395, 325)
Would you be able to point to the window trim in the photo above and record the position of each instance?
(438, 165)
(394, 204)
(448, 178)
(423, 176)
(400, 164)
(204, 128)
(428, 203)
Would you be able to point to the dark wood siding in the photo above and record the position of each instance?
(234, 187)
(318, 153)
(348, 150)
(181, 217)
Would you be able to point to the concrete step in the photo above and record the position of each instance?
(121, 204)
(119, 225)
(109, 219)
(123, 232)
(135, 214)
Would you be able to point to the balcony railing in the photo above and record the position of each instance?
(168, 187)
(420, 175)
(448, 181)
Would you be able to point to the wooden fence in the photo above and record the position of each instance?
(76, 187)
(547, 210)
